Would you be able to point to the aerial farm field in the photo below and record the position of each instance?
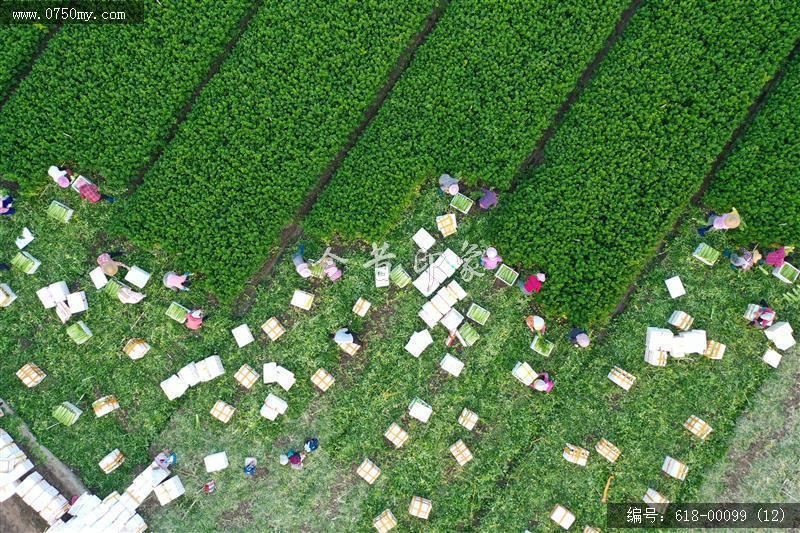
(231, 133)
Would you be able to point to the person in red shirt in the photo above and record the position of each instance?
(195, 319)
(533, 283)
(293, 459)
(89, 191)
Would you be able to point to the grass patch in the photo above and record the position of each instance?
(521, 434)
(761, 464)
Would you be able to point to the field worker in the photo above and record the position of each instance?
(127, 295)
(311, 445)
(542, 383)
(250, 467)
(6, 205)
(536, 324)
(300, 264)
(343, 336)
(533, 283)
(491, 259)
(90, 191)
(744, 260)
(451, 339)
(284, 459)
(5, 266)
(166, 458)
(331, 270)
(109, 266)
(488, 200)
(175, 282)
(448, 184)
(296, 459)
(765, 316)
(721, 222)
(777, 257)
(60, 176)
(579, 338)
(195, 319)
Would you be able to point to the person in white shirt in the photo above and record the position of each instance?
(60, 176)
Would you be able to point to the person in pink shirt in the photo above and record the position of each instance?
(777, 257)
(175, 282)
(194, 319)
(109, 266)
(542, 383)
(721, 222)
(491, 259)
(331, 270)
(533, 283)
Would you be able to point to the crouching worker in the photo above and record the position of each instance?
(166, 458)
(293, 458)
(448, 184)
(491, 258)
(330, 269)
(488, 200)
(90, 191)
(108, 264)
(345, 336)
(579, 338)
(62, 176)
(533, 283)
(721, 222)
(764, 316)
(311, 445)
(536, 324)
(175, 282)
(195, 319)
(300, 264)
(743, 260)
(777, 258)
(542, 383)
(7, 205)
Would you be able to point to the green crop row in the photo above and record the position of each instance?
(761, 177)
(473, 103)
(636, 145)
(102, 97)
(17, 44)
(264, 129)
